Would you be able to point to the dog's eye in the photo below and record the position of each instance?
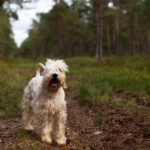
(60, 70)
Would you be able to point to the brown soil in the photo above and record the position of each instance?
(141, 100)
(116, 129)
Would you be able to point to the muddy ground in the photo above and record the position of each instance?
(90, 127)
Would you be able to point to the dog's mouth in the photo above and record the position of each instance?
(54, 84)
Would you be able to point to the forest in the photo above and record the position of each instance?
(106, 44)
(83, 28)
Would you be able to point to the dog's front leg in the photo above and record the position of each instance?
(27, 119)
(45, 134)
(42, 127)
(60, 122)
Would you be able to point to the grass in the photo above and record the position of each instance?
(132, 74)
(100, 118)
(92, 80)
(13, 78)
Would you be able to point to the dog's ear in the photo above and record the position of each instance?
(62, 65)
(40, 68)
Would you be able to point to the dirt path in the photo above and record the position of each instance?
(120, 130)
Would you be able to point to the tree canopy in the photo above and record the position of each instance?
(85, 28)
(7, 45)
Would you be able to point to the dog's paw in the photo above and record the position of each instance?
(61, 141)
(46, 139)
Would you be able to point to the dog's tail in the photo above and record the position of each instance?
(39, 69)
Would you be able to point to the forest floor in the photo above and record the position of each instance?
(120, 124)
(120, 130)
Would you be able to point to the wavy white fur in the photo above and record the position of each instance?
(44, 108)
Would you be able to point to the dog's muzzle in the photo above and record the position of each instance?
(54, 82)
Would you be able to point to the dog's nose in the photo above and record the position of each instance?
(54, 75)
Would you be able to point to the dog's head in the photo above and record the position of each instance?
(54, 74)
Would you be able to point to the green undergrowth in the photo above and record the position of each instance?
(96, 81)
(100, 118)
(91, 80)
(13, 79)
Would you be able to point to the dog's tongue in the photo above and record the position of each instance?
(54, 84)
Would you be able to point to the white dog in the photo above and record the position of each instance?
(44, 105)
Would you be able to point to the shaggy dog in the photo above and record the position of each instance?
(44, 105)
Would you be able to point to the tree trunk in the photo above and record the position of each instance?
(59, 29)
(117, 41)
(75, 47)
(108, 39)
(135, 41)
(99, 30)
(1, 3)
(59, 35)
(133, 45)
(148, 40)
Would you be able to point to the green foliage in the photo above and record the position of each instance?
(12, 83)
(7, 45)
(83, 94)
(98, 80)
(24, 135)
(74, 33)
(123, 103)
(8, 89)
(100, 118)
(70, 30)
(74, 26)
